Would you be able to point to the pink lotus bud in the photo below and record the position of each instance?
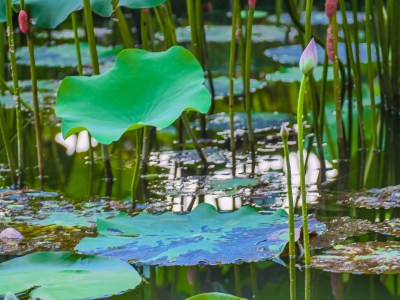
(284, 132)
(145, 9)
(252, 3)
(330, 8)
(329, 43)
(309, 58)
(23, 22)
(190, 275)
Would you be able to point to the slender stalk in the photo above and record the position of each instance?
(80, 72)
(96, 71)
(199, 30)
(11, 90)
(323, 95)
(144, 29)
(292, 249)
(300, 104)
(395, 41)
(242, 54)
(189, 130)
(231, 84)
(249, 31)
(153, 283)
(238, 285)
(3, 57)
(253, 275)
(123, 27)
(278, 10)
(13, 62)
(170, 21)
(136, 171)
(192, 22)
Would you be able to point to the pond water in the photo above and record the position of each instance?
(76, 192)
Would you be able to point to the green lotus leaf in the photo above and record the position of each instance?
(66, 275)
(142, 88)
(203, 236)
(233, 183)
(361, 258)
(258, 14)
(215, 296)
(140, 3)
(294, 74)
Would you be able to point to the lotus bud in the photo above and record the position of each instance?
(330, 8)
(23, 22)
(252, 3)
(284, 132)
(329, 43)
(145, 9)
(309, 58)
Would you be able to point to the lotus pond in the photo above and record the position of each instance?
(199, 149)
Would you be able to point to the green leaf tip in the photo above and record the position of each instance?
(142, 88)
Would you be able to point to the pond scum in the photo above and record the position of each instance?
(149, 149)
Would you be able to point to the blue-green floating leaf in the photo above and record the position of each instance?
(221, 85)
(294, 74)
(317, 18)
(203, 236)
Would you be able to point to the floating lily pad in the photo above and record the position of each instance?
(233, 183)
(135, 92)
(361, 258)
(223, 34)
(215, 296)
(68, 34)
(66, 275)
(16, 194)
(317, 18)
(203, 236)
(259, 120)
(64, 55)
(221, 86)
(258, 14)
(386, 198)
(290, 54)
(294, 74)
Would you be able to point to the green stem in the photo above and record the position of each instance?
(323, 95)
(278, 10)
(153, 283)
(242, 54)
(196, 144)
(292, 249)
(231, 84)
(238, 285)
(170, 21)
(96, 71)
(7, 146)
(77, 45)
(3, 57)
(11, 90)
(192, 22)
(247, 89)
(13, 62)
(123, 28)
(308, 21)
(136, 171)
(395, 41)
(199, 30)
(144, 29)
(253, 275)
(300, 104)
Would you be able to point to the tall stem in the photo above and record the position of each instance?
(292, 249)
(11, 46)
(192, 23)
(247, 88)
(123, 28)
(196, 144)
(300, 137)
(96, 71)
(395, 41)
(136, 171)
(231, 84)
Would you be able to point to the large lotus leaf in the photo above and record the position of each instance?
(142, 88)
(361, 258)
(215, 296)
(290, 54)
(386, 198)
(66, 275)
(64, 55)
(140, 3)
(203, 236)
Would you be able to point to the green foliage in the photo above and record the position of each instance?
(202, 236)
(66, 275)
(142, 88)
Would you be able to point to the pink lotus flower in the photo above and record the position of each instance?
(309, 58)
(145, 9)
(23, 22)
(330, 8)
(329, 43)
(252, 3)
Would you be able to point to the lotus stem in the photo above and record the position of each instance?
(395, 42)
(242, 54)
(123, 27)
(11, 90)
(253, 275)
(36, 109)
(170, 21)
(292, 249)
(231, 84)
(80, 72)
(192, 22)
(323, 95)
(3, 57)
(300, 137)
(11, 45)
(153, 283)
(355, 70)
(96, 71)
(278, 11)
(238, 285)
(136, 171)
(247, 88)
(144, 29)
(196, 144)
